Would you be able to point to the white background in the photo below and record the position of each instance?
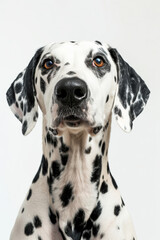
(133, 27)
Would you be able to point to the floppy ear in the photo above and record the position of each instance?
(131, 95)
(21, 96)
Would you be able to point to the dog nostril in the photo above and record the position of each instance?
(79, 93)
(61, 93)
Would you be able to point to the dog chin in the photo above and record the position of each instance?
(72, 123)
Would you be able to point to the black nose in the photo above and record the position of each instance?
(71, 91)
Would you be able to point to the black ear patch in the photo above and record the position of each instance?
(21, 95)
(132, 93)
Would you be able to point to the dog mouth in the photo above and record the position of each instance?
(73, 121)
(72, 117)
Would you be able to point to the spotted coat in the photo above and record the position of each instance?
(73, 194)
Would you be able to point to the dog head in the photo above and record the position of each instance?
(76, 85)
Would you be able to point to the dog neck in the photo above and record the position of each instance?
(77, 171)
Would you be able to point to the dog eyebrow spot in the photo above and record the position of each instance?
(67, 63)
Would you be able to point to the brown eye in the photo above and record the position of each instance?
(48, 64)
(98, 61)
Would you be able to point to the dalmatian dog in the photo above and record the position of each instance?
(77, 86)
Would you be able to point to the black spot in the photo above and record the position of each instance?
(108, 170)
(118, 111)
(97, 129)
(103, 148)
(21, 105)
(64, 159)
(37, 222)
(107, 98)
(44, 165)
(117, 210)
(90, 139)
(56, 169)
(52, 216)
(35, 116)
(63, 147)
(50, 181)
(22, 210)
(66, 64)
(102, 235)
(87, 235)
(79, 220)
(98, 42)
(28, 230)
(106, 152)
(58, 61)
(106, 126)
(29, 194)
(37, 175)
(123, 204)
(71, 73)
(18, 87)
(53, 131)
(66, 194)
(42, 85)
(88, 150)
(51, 140)
(97, 165)
(72, 41)
(68, 229)
(95, 230)
(24, 127)
(113, 181)
(104, 187)
(17, 104)
(39, 238)
(115, 79)
(24, 109)
(96, 212)
(89, 224)
(100, 143)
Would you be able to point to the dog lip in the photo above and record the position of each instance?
(72, 118)
(72, 121)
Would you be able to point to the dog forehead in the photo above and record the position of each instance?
(75, 48)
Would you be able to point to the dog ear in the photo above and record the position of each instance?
(21, 96)
(131, 95)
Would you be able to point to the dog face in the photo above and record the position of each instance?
(76, 85)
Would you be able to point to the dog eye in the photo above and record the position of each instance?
(48, 64)
(98, 61)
